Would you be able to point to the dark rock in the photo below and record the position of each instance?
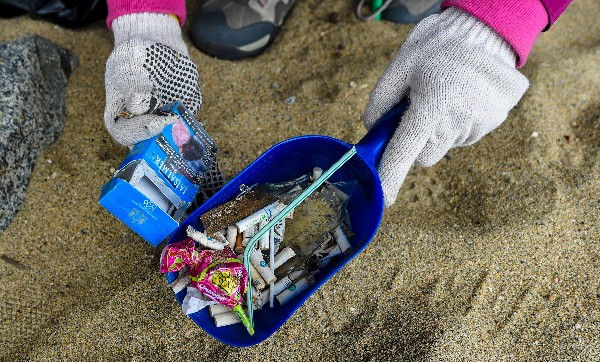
(334, 17)
(33, 76)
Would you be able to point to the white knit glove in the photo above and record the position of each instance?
(461, 79)
(149, 67)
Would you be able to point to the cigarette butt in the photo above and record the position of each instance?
(215, 309)
(181, 282)
(296, 188)
(263, 242)
(221, 238)
(214, 243)
(192, 233)
(284, 255)
(323, 248)
(290, 215)
(297, 274)
(341, 239)
(239, 244)
(231, 236)
(331, 253)
(248, 234)
(263, 214)
(226, 319)
(316, 173)
(282, 284)
(260, 264)
(295, 289)
(257, 281)
(259, 298)
(207, 241)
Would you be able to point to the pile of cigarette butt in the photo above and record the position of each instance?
(285, 260)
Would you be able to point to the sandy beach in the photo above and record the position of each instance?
(491, 254)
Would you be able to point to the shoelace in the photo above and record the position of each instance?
(360, 5)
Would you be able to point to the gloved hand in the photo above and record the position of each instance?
(461, 79)
(149, 67)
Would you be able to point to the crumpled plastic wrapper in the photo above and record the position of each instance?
(195, 301)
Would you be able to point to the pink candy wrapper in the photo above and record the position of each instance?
(178, 255)
(225, 280)
(218, 274)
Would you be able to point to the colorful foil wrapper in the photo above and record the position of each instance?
(177, 255)
(218, 274)
(224, 280)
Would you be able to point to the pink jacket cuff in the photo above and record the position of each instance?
(117, 8)
(519, 22)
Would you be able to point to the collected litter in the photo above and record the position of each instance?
(282, 263)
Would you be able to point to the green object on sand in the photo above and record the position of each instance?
(375, 5)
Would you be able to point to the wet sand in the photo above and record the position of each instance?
(492, 254)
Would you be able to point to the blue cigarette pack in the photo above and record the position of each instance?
(158, 180)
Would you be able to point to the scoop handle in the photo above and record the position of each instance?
(370, 148)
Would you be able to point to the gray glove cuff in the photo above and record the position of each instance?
(149, 27)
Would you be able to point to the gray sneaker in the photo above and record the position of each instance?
(236, 29)
(403, 11)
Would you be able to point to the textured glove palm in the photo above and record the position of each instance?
(461, 79)
(148, 67)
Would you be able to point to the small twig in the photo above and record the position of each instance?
(8, 260)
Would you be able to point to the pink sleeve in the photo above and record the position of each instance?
(518, 21)
(117, 8)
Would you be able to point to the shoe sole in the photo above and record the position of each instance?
(230, 43)
(228, 51)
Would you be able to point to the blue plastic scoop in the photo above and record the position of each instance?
(288, 160)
